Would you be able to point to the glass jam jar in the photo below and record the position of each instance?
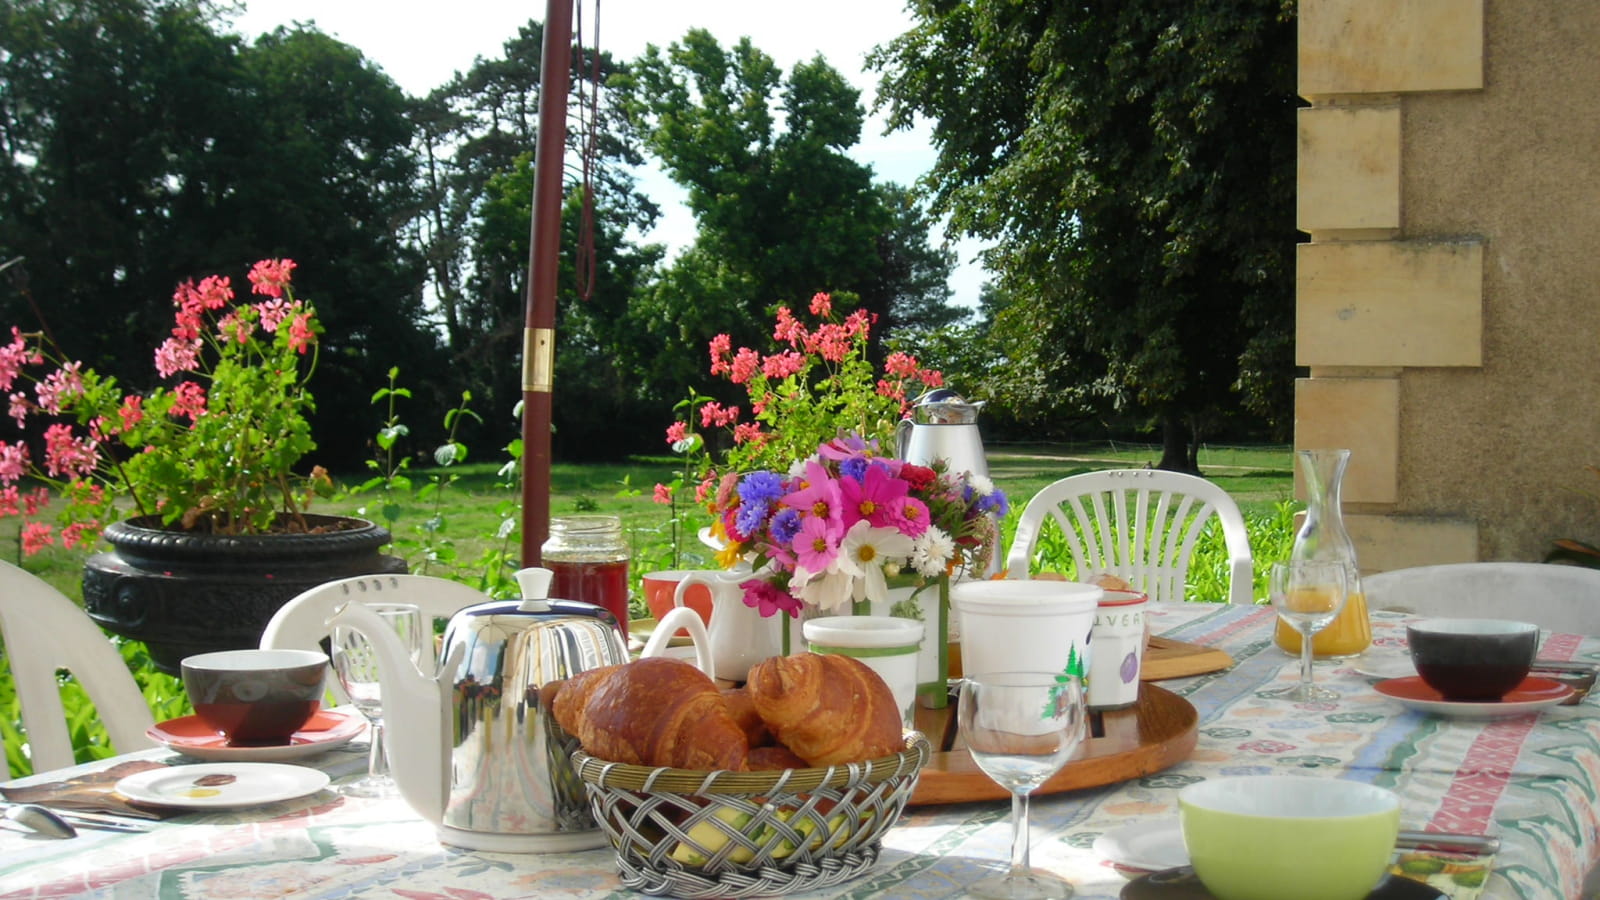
(589, 561)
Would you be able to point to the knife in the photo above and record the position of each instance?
(1481, 844)
(104, 823)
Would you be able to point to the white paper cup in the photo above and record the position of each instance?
(1016, 625)
(888, 645)
(1117, 649)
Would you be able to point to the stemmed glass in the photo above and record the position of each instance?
(1308, 595)
(1021, 727)
(355, 662)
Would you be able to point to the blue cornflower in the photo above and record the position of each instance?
(854, 467)
(760, 489)
(785, 525)
(993, 502)
(751, 517)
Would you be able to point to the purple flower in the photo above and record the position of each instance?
(761, 488)
(785, 525)
(854, 467)
(752, 516)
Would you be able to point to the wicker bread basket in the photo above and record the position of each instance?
(685, 833)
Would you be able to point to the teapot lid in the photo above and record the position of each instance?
(943, 406)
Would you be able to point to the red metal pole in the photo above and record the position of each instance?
(544, 257)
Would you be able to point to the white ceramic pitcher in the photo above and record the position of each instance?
(739, 636)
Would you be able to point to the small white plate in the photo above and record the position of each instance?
(1384, 666)
(222, 785)
(1143, 847)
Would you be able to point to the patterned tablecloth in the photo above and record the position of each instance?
(1532, 779)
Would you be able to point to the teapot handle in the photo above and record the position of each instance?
(684, 619)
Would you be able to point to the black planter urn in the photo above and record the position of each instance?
(183, 593)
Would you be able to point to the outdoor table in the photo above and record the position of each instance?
(1531, 779)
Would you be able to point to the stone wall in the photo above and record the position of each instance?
(1448, 302)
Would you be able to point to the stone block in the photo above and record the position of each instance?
(1389, 303)
(1361, 415)
(1390, 46)
(1400, 542)
(1348, 173)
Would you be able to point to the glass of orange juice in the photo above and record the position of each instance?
(1308, 595)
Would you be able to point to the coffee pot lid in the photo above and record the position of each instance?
(943, 406)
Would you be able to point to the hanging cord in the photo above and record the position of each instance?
(584, 262)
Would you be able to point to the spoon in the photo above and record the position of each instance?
(41, 820)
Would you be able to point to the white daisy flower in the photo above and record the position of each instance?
(827, 591)
(931, 552)
(981, 484)
(868, 548)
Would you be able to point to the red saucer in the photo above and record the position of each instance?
(191, 736)
(1531, 695)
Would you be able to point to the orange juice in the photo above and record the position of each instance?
(1347, 635)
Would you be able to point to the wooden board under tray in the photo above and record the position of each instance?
(1166, 658)
(1154, 734)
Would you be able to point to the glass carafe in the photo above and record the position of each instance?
(1322, 536)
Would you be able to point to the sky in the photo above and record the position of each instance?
(422, 52)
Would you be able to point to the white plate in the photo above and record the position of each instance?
(1143, 847)
(1383, 666)
(246, 784)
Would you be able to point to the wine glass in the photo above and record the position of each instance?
(355, 662)
(1307, 594)
(1020, 728)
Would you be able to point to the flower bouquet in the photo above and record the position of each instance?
(843, 528)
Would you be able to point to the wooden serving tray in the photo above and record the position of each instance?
(1166, 658)
(1154, 734)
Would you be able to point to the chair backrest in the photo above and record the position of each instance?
(44, 632)
(301, 623)
(1554, 597)
(1138, 524)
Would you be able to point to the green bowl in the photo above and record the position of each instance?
(1267, 837)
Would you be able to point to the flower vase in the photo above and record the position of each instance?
(1322, 537)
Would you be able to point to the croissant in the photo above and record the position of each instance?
(743, 710)
(657, 711)
(828, 709)
(776, 756)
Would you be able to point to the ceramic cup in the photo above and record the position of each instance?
(888, 645)
(1035, 626)
(658, 588)
(1472, 660)
(1117, 649)
(1267, 837)
(255, 696)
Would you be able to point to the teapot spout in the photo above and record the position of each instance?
(416, 712)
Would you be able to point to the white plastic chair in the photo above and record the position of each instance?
(1556, 598)
(44, 632)
(1138, 524)
(301, 623)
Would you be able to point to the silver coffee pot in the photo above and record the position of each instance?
(943, 425)
(474, 749)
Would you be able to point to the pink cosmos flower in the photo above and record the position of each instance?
(818, 498)
(816, 545)
(873, 498)
(663, 494)
(270, 276)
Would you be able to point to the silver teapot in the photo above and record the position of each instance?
(474, 749)
(942, 425)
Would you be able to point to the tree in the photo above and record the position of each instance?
(782, 210)
(142, 148)
(1133, 163)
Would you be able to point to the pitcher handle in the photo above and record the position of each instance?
(701, 577)
(681, 619)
